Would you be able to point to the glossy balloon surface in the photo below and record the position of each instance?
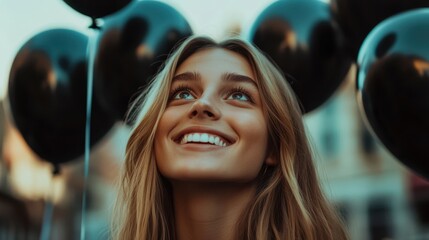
(305, 42)
(132, 47)
(393, 86)
(358, 17)
(97, 8)
(47, 95)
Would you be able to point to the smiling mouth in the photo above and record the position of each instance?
(203, 139)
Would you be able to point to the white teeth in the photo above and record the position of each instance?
(204, 138)
(216, 140)
(195, 137)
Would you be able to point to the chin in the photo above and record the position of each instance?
(206, 176)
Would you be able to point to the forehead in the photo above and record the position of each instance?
(216, 60)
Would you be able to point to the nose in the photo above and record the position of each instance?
(204, 108)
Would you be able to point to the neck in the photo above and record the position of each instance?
(209, 210)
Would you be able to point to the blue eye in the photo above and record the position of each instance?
(239, 94)
(183, 95)
(181, 92)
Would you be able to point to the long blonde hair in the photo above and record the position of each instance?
(289, 203)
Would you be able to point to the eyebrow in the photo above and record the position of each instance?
(234, 77)
(187, 76)
(229, 77)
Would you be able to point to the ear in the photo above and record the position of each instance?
(271, 160)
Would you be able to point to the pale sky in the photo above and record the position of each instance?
(22, 19)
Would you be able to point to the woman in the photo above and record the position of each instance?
(219, 151)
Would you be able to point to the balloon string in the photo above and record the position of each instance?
(47, 220)
(91, 56)
(48, 209)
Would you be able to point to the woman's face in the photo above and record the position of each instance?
(213, 128)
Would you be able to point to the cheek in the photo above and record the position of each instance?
(253, 133)
(250, 125)
(169, 119)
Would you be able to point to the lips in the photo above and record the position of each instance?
(228, 140)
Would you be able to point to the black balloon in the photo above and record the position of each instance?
(358, 17)
(132, 46)
(47, 95)
(305, 42)
(393, 86)
(97, 8)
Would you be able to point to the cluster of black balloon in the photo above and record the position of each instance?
(132, 46)
(48, 79)
(315, 42)
(390, 39)
(47, 95)
(303, 39)
(393, 86)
